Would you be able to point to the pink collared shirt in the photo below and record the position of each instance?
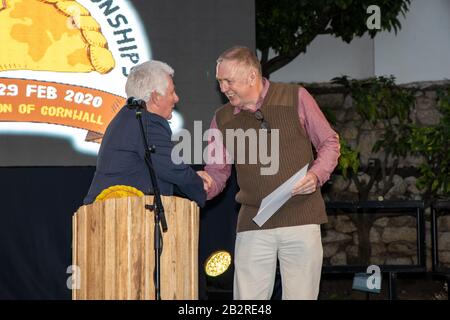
(322, 136)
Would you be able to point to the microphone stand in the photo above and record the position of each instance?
(157, 206)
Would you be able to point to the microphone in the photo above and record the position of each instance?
(133, 103)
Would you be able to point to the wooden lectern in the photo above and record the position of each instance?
(113, 252)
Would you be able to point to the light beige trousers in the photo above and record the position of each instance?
(299, 250)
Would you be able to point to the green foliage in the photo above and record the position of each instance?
(434, 144)
(385, 106)
(289, 26)
(349, 160)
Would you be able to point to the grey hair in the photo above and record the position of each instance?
(243, 56)
(148, 77)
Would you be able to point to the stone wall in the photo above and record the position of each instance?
(358, 133)
(392, 239)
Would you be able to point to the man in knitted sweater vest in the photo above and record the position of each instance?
(292, 234)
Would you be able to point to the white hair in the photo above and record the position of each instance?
(148, 77)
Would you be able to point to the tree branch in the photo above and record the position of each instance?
(264, 55)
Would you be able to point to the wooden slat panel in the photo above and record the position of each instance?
(179, 234)
(136, 255)
(110, 276)
(95, 244)
(75, 274)
(122, 249)
(169, 286)
(149, 253)
(82, 251)
(194, 214)
(180, 240)
(113, 245)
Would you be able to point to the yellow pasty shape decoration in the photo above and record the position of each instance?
(51, 35)
(119, 191)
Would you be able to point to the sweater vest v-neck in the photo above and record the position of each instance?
(279, 109)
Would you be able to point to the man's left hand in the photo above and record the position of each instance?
(306, 185)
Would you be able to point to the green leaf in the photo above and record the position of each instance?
(289, 26)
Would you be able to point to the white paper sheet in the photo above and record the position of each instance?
(273, 201)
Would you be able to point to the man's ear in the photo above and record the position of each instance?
(154, 97)
(252, 77)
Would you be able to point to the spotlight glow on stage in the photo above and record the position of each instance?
(217, 263)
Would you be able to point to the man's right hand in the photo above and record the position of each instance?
(207, 180)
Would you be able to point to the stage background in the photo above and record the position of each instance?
(189, 36)
(36, 229)
(43, 179)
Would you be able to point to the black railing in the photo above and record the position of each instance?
(390, 208)
(438, 208)
(385, 208)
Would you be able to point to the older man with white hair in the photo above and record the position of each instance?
(121, 156)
